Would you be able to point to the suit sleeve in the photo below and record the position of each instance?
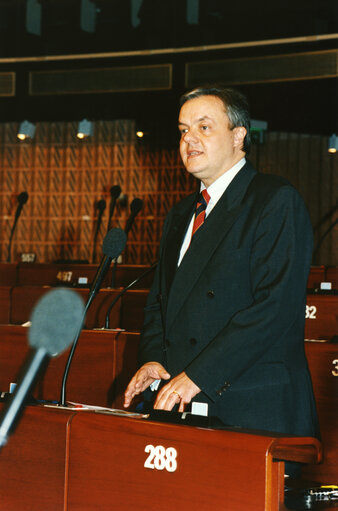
(151, 341)
(279, 265)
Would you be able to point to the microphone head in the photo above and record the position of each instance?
(56, 320)
(23, 198)
(136, 206)
(101, 205)
(115, 191)
(114, 242)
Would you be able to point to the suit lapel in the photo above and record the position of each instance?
(206, 241)
(175, 238)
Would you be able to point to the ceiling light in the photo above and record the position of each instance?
(333, 144)
(26, 130)
(85, 129)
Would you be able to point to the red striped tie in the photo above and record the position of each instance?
(202, 202)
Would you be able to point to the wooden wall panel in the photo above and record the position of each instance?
(65, 178)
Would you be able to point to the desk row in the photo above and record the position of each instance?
(16, 304)
(52, 274)
(104, 362)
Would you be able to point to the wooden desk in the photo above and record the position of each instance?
(8, 274)
(323, 365)
(54, 274)
(316, 276)
(331, 275)
(5, 304)
(83, 461)
(127, 313)
(33, 463)
(103, 363)
(321, 316)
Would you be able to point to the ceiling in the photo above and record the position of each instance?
(40, 35)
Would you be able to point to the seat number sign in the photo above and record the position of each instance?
(161, 458)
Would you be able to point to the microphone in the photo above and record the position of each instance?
(101, 206)
(115, 193)
(22, 199)
(113, 245)
(125, 289)
(135, 207)
(54, 322)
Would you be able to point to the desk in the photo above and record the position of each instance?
(323, 365)
(83, 461)
(103, 363)
(54, 274)
(32, 464)
(321, 316)
(127, 312)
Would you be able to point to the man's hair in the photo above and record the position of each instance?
(235, 104)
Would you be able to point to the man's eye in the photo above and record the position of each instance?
(183, 130)
(204, 127)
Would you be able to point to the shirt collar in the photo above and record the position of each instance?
(218, 187)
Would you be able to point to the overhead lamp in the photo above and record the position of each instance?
(85, 129)
(333, 144)
(140, 134)
(88, 16)
(33, 17)
(26, 130)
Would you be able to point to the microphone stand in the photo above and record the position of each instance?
(135, 208)
(114, 193)
(23, 197)
(124, 290)
(113, 245)
(101, 207)
(70, 357)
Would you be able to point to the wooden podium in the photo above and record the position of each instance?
(85, 461)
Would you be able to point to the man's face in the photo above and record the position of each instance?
(208, 146)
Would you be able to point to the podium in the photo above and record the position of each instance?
(84, 461)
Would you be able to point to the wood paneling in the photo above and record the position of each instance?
(65, 177)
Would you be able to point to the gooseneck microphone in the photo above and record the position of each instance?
(22, 199)
(125, 289)
(135, 207)
(54, 322)
(114, 193)
(101, 206)
(113, 245)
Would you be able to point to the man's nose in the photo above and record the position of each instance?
(190, 136)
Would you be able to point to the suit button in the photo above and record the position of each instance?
(210, 294)
(223, 388)
(193, 341)
(167, 342)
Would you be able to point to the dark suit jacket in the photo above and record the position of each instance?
(233, 312)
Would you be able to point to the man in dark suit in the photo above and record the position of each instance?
(224, 321)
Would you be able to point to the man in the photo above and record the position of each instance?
(224, 321)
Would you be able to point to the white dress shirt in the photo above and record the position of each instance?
(215, 190)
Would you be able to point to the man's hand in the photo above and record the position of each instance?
(180, 389)
(142, 379)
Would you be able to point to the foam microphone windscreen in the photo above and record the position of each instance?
(115, 191)
(55, 320)
(101, 205)
(23, 198)
(114, 242)
(136, 206)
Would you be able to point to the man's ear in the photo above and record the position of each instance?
(239, 136)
